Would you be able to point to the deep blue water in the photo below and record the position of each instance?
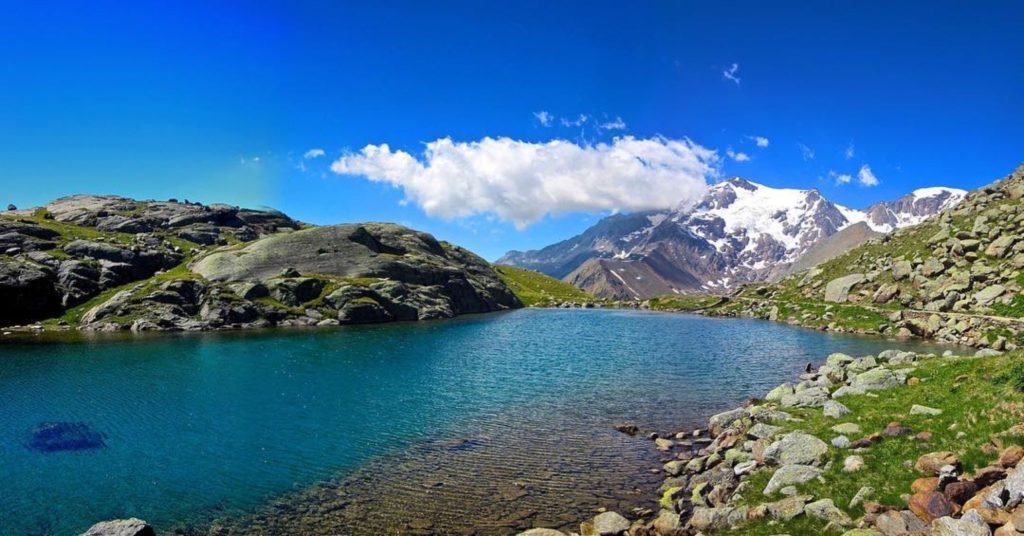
(199, 425)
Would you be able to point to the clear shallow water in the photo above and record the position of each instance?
(489, 421)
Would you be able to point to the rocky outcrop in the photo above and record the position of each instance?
(121, 527)
(77, 247)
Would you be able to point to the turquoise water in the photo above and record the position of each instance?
(203, 426)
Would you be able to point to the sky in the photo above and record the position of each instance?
(503, 125)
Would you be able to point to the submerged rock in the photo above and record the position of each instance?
(58, 436)
(121, 527)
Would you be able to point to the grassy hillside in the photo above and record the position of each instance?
(537, 289)
(956, 277)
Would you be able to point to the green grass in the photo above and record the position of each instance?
(979, 397)
(534, 288)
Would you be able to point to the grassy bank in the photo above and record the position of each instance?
(535, 289)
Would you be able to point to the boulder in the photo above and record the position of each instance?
(721, 421)
(987, 295)
(838, 290)
(918, 409)
(610, 524)
(971, 524)
(121, 527)
(826, 510)
(932, 463)
(811, 397)
(876, 379)
(930, 505)
(834, 409)
(797, 448)
(902, 270)
(790, 475)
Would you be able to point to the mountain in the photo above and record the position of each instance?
(739, 232)
(112, 263)
(957, 277)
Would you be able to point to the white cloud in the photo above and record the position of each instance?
(617, 124)
(761, 141)
(313, 153)
(521, 182)
(840, 178)
(544, 118)
(849, 152)
(806, 151)
(578, 122)
(730, 73)
(739, 157)
(866, 177)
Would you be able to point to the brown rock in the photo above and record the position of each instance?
(930, 483)
(931, 463)
(960, 492)
(895, 429)
(866, 441)
(924, 436)
(1017, 517)
(989, 448)
(987, 476)
(1011, 456)
(1006, 530)
(930, 505)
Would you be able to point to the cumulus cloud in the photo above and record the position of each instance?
(521, 182)
(544, 118)
(739, 157)
(806, 151)
(866, 177)
(730, 73)
(840, 178)
(849, 152)
(617, 124)
(313, 153)
(760, 141)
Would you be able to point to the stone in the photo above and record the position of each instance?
(610, 524)
(846, 428)
(542, 532)
(1011, 456)
(799, 448)
(627, 428)
(930, 483)
(667, 523)
(744, 467)
(838, 290)
(971, 524)
(886, 293)
(960, 492)
(788, 508)
(791, 475)
(663, 444)
(852, 464)
(987, 295)
(898, 523)
(917, 409)
(930, 505)
(807, 398)
(864, 493)
(121, 527)
(763, 431)
(721, 421)
(862, 532)
(841, 442)
(826, 510)
(1001, 246)
(834, 409)
(901, 270)
(876, 379)
(711, 519)
(777, 393)
(675, 467)
(838, 359)
(931, 464)
(846, 390)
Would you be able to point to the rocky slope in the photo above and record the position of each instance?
(880, 445)
(739, 232)
(956, 277)
(111, 263)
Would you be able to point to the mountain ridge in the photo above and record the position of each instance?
(739, 232)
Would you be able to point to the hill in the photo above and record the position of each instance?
(536, 289)
(111, 263)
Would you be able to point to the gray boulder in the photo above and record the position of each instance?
(121, 527)
(838, 290)
(791, 475)
(797, 448)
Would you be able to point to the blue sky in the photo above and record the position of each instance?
(220, 101)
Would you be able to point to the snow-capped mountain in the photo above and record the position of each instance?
(739, 232)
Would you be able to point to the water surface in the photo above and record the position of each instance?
(479, 424)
